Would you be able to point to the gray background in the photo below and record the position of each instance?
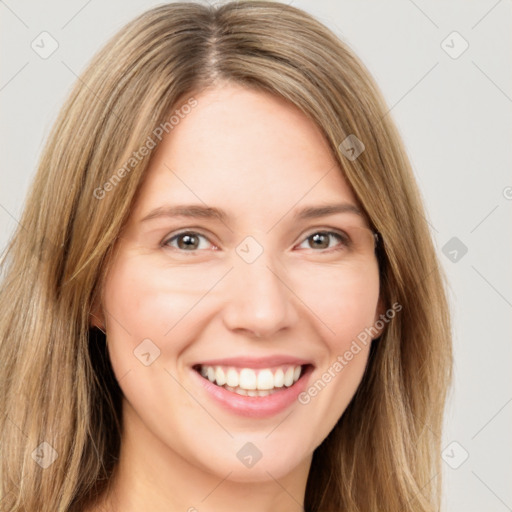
(455, 117)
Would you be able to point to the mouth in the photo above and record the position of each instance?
(255, 388)
(252, 382)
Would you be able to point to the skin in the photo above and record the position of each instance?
(260, 159)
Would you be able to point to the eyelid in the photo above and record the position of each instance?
(325, 229)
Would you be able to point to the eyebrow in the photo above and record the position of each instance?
(207, 212)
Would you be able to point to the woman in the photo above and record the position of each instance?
(223, 294)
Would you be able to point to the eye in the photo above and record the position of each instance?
(322, 239)
(186, 241)
(190, 241)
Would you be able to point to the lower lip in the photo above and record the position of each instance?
(255, 406)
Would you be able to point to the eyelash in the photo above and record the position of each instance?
(339, 235)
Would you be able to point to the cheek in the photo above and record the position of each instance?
(346, 308)
(345, 303)
(147, 315)
(144, 302)
(150, 323)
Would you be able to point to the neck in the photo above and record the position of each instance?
(152, 476)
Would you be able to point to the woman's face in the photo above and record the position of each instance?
(259, 299)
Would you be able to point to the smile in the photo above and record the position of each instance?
(252, 382)
(257, 388)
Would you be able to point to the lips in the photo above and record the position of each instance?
(253, 387)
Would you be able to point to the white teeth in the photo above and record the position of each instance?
(251, 382)
(232, 378)
(220, 376)
(247, 379)
(266, 380)
(279, 378)
(288, 377)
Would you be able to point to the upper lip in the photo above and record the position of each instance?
(255, 362)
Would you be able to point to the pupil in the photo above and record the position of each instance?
(184, 241)
(321, 237)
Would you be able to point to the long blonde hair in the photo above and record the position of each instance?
(56, 383)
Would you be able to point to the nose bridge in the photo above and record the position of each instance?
(258, 298)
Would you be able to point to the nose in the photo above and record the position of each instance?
(259, 301)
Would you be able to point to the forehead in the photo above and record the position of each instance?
(243, 150)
